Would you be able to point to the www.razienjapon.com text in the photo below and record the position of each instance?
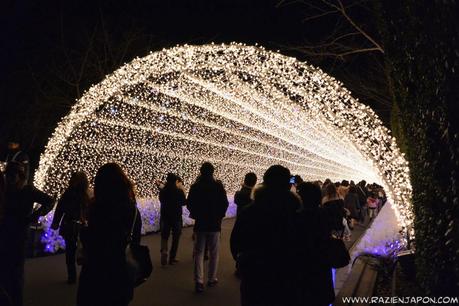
(401, 300)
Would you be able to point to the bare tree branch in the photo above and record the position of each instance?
(347, 49)
(320, 15)
(343, 11)
(358, 51)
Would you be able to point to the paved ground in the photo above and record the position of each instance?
(342, 274)
(45, 278)
(170, 286)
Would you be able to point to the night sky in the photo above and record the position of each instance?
(34, 33)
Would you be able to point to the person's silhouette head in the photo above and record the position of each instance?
(352, 189)
(79, 181)
(207, 169)
(277, 177)
(330, 191)
(171, 179)
(250, 179)
(15, 175)
(310, 194)
(13, 145)
(112, 186)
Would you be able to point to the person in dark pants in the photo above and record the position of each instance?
(207, 203)
(363, 195)
(242, 197)
(68, 217)
(2, 195)
(264, 242)
(352, 204)
(315, 273)
(4, 298)
(18, 213)
(104, 278)
(172, 198)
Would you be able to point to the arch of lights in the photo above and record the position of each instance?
(241, 107)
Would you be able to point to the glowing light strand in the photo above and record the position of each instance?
(242, 107)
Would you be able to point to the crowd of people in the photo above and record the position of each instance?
(283, 227)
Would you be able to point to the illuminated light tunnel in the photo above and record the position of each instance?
(240, 107)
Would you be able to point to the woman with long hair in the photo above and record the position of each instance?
(333, 206)
(69, 215)
(104, 278)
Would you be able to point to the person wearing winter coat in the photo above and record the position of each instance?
(104, 278)
(18, 213)
(314, 271)
(242, 198)
(69, 215)
(207, 203)
(264, 241)
(352, 204)
(172, 199)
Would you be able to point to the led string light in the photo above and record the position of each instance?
(296, 130)
(242, 108)
(240, 138)
(285, 109)
(262, 124)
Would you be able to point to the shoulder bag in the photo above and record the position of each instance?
(337, 253)
(138, 259)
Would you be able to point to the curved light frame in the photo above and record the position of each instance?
(241, 107)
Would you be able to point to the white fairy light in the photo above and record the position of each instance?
(241, 107)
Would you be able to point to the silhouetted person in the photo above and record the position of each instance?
(324, 185)
(363, 195)
(104, 278)
(315, 273)
(242, 197)
(207, 203)
(2, 195)
(351, 203)
(68, 217)
(172, 198)
(373, 204)
(333, 206)
(4, 299)
(15, 154)
(264, 242)
(18, 213)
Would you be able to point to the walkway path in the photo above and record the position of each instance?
(173, 285)
(170, 286)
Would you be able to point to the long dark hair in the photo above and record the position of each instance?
(330, 191)
(113, 193)
(77, 191)
(78, 182)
